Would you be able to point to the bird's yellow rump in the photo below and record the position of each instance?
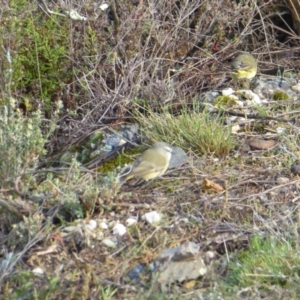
(244, 66)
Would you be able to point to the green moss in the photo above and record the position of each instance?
(120, 160)
(109, 166)
(224, 102)
(280, 95)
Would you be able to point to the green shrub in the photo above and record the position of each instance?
(37, 65)
(21, 143)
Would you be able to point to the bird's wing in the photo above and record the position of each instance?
(144, 168)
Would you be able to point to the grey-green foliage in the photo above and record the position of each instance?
(21, 142)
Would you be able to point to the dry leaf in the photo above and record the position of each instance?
(208, 185)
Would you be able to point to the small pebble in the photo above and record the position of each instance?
(151, 217)
(282, 180)
(38, 271)
(119, 229)
(227, 92)
(130, 221)
(103, 225)
(110, 242)
(104, 6)
(91, 225)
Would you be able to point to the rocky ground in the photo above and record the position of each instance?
(222, 222)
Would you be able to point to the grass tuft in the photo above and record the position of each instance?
(201, 132)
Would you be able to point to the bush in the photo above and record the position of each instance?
(21, 143)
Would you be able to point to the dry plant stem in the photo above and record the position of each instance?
(263, 24)
(131, 205)
(247, 181)
(118, 251)
(269, 190)
(149, 237)
(85, 292)
(226, 250)
(39, 236)
(224, 208)
(201, 43)
(251, 116)
(10, 208)
(115, 17)
(17, 190)
(50, 11)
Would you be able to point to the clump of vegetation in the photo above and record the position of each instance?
(25, 285)
(267, 262)
(224, 102)
(201, 131)
(38, 53)
(21, 143)
(280, 95)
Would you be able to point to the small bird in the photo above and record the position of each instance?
(243, 66)
(152, 163)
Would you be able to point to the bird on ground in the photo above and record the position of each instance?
(244, 67)
(152, 163)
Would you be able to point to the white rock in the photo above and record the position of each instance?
(110, 242)
(209, 107)
(122, 142)
(254, 98)
(227, 92)
(91, 225)
(104, 6)
(296, 87)
(184, 220)
(88, 228)
(235, 128)
(210, 254)
(240, 103)
(103, 225)
(130, 221)
(119, 229)
(99, 235)
(239, 207)
(151, 217)
(280, 130)
(38, 271)
(74, 15)
(72, 228)
(282, 180)
(232, 118)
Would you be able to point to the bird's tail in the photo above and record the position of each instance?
(124, 174)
